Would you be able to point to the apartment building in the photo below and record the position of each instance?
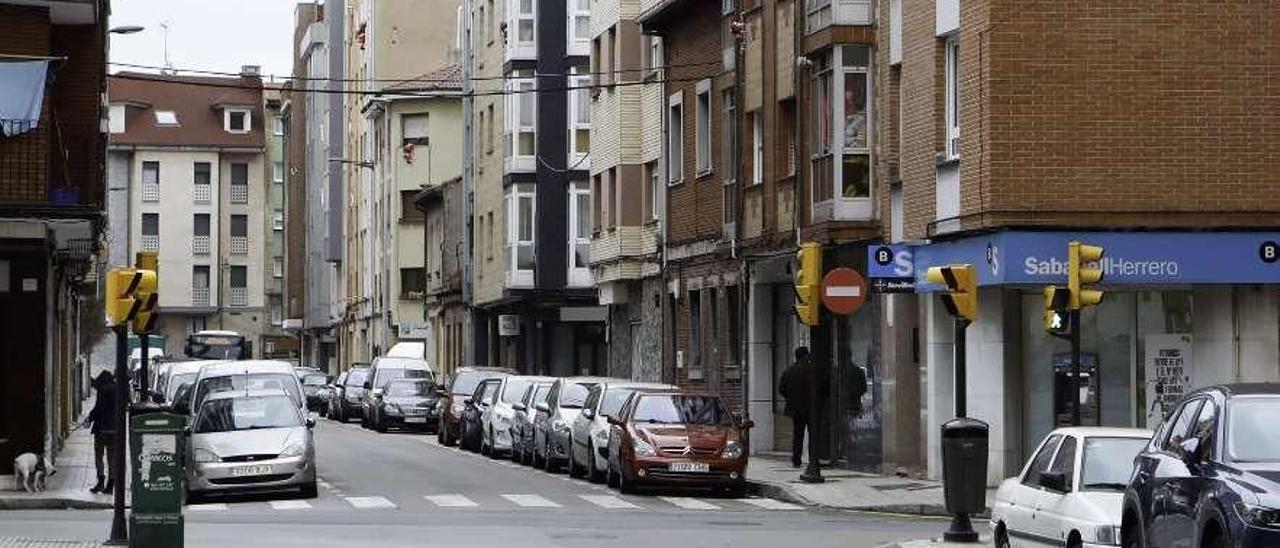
(535, 300)
(273, 341)
(293, 111)
(52, 199)
(190, 151)
(397, 144)
(446, 311)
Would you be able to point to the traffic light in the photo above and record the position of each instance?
(1057, 302)
(120, 303)
(147, 260)
(1083, 270)
(809, 283)
(146, 295)
(961, 280)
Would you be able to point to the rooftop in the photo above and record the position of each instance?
(168, 110)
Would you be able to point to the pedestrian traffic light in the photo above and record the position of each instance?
(120, 305)
(1083, 270)
(809, 283)
(961, 280)
(1057, 301)
(146, 295)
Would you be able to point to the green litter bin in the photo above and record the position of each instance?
(156, 441)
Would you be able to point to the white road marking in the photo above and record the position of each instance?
(209, 507)
(451, 501)
(366, 503)
(608, 501)
(689, 503)
(289, 504)
(531, 501)
(770, 504)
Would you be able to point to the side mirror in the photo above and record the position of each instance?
(613, 420)
(542, 407)
(747, 424)
(1054, 481)
(588, 413)
(367, 385)
(1190, 449)
(518, 407)
(311, 423)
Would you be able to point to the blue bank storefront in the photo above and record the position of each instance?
(1182, 310)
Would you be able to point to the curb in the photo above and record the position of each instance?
(53, 503)
(787, 494)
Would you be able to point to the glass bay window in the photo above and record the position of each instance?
(841, 123)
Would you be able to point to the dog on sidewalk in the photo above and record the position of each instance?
(33, 470)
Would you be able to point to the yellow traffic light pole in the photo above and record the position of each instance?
(961, 300)
(808, 286)
(1082, 269)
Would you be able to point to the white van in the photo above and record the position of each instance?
(415, 350)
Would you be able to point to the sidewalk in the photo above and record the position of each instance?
(69, 488)
(7, 542)
(848, 490)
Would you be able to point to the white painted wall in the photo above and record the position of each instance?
(177, 210)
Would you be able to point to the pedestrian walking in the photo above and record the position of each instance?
(796, 386)
(102, 423)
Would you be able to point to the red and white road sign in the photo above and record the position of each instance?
(843, 290)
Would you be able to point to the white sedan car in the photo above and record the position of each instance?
(1071, 491)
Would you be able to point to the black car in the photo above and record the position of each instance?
(1210, 477)
(406, 403)
(313, 386)
(522, 422)
(348, 393)
(461, 387)
(473, 410)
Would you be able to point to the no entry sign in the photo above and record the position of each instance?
(843, 291)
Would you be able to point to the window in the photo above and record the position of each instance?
(580, 20)
(611, 56)
(823, 114)
(200, 285)
(277, 267)
(896, 213)
(413, 283)
(277, 221)
(488, 134)
(952, 83)
(488, 27)
(151, 231)
(818, 15)
(1181, 428)
(239, 234)
(611, 196)
(521, 231)
(150, 181)
(489, 235)
(201, 225)
(702, 128)
(277, 126)
(524, 21)
(757, 148)
(726, 6)
(1206, 427)
(1041, 461)
(597, 190)
(655, 190)
(277, 172)
(239, 183)
(413, 129)
(579, 232)
(239, 285)
(237, 120)
(1065, 462)
(579, 113)
(655, 54)
(277, 311)
(695, 328)
(201, 173)
(728, 129)
(675, 139)
(522, 107)
(787, 134)
(166, 118)
(856, 171)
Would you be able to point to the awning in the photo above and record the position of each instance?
(21, 95)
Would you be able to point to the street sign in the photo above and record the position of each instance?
(843, 291)
(890, 269)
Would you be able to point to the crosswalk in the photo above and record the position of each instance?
(509, 501)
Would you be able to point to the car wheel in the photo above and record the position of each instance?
(625, 486)
(1002, 537)
(594, 475)
(309, 490)
(573, 461)
(378, 426)
(611, 477)
(1219, 540)
(1130, 537)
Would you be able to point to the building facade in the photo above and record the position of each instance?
(273, 342)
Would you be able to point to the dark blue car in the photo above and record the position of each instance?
(1210, 477)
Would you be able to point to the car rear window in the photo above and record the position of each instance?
(466, 382)
(250, 381)
(386, 375)
(572, 395)
(514, 390)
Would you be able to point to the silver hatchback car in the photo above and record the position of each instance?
(250, 441)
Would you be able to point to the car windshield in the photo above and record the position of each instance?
(409, 388)
(466, 382)
(248, 381)
(515, 389)
(682, 409)
(315, 380)
(387, 375)
(540, 394)
(614, 399)
(1108, 462)
(574, 394)
(247, 413)
(1250, 432)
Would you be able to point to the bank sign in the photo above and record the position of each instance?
(1149, 258)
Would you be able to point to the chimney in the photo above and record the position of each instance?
(250, 70)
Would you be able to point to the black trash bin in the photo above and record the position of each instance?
(964, 473)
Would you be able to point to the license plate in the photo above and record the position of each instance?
(415, 420)
(260, 470)
(689, 467)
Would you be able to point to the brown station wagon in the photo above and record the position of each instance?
(677, 439)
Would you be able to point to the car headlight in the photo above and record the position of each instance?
(1106, 534)
(1259, 516)
(205, 455)
(295, 449)
(643, 448)
(732, 450)
(559, 425)
(393, 409)
(602, 437)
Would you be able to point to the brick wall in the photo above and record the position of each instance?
(920, 124)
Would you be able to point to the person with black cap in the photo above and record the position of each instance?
(102, 418)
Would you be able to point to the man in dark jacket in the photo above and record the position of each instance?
(796, 387)
(102, 419)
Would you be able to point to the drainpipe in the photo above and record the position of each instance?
(797, 91)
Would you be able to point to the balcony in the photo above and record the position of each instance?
(239, 245)
(150, 192)
(820, 14)
(151, 242)
(239, 296)
(239, 194)
(43, 167)
(202, 194)
(200, 245)
(199, 296)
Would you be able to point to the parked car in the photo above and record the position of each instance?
(382, 372)
(303, 371)
(589, 450)
(473, 408)
(522, 421)
(554, 416)
(1070, 491)
(461, 387)
(348, 393)
(677, 439)
(495, 421)
(406, 403)
(252, 440)
(245, 375)
(313, 385)
(408, 349)
(1210, 477)
(176, 374)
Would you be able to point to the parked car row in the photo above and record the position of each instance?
(628, 434)
(392, 392)
(1207, 477)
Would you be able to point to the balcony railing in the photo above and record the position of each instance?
(239, 245)
(200, 245)
(42, 165)
(150, 192)
(239, 296)
(151, 242)
(199, 296)
(202, 194)
(239, 194)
